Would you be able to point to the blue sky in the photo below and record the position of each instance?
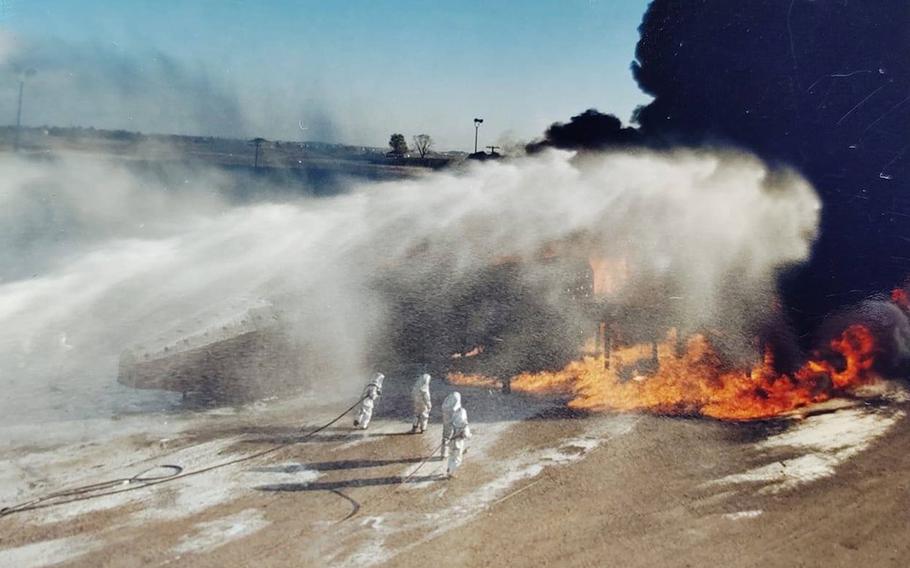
(348, 71)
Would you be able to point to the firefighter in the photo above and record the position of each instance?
(420, 394)
(461, 432)
(371, 394)
(449, 406)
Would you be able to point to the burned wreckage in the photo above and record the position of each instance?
(249, 357)
(501, 321)
(597, 332)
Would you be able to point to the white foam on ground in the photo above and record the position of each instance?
(739, 515)
(278, 474)
(377, 427)
(47, 553)
(68, 453)
(106, 449)
(222, 411)
(193, 494)
(826, 441)
(52, 456)
(95, 450)
(212, 534)
(508, 473)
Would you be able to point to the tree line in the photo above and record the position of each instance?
(399, 145)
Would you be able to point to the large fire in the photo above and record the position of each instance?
(696, 380)
(609, 276)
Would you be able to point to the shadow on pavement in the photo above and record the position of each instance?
(336, 465)
(335, 485)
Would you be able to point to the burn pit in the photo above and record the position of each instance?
(688, 375)
(568, 275)
(697, 381)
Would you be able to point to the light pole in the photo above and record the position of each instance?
(23, 75)
(477, 123)
(257, 142)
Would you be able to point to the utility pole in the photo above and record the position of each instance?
(477, 123)
(257, 142)
(22, 77)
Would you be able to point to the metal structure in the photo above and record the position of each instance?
(257, 142)
(477, 123)
(23, 75)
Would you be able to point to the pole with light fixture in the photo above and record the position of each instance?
(23, 75)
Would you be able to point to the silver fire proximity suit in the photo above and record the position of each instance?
(449, 406)
(460, 434)
(420, 394)
(370, 394)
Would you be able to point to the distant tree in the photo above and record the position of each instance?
(423, 142)
(399, 144)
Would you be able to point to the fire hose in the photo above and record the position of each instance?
(141, 480)
(421, 464)
(400, 482)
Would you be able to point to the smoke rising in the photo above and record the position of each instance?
(823, 87)
(7, 46)
(126, 87)
(818, 85)
(104, 86)
(106, 260)
(590, 130)
(51, 208)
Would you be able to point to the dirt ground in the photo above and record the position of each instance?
(540, 487)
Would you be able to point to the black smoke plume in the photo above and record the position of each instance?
(590, 130)
(823, 87)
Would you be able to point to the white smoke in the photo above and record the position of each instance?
(8, 44)
(103, 260)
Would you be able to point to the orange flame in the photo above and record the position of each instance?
(468, 354)
(697, 380)
(609, 275)
(467, 380)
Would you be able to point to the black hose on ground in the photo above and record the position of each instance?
(355, 506)
(421, 464)
(140, 480)
(400, 482)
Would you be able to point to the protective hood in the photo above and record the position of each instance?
(452, 402)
